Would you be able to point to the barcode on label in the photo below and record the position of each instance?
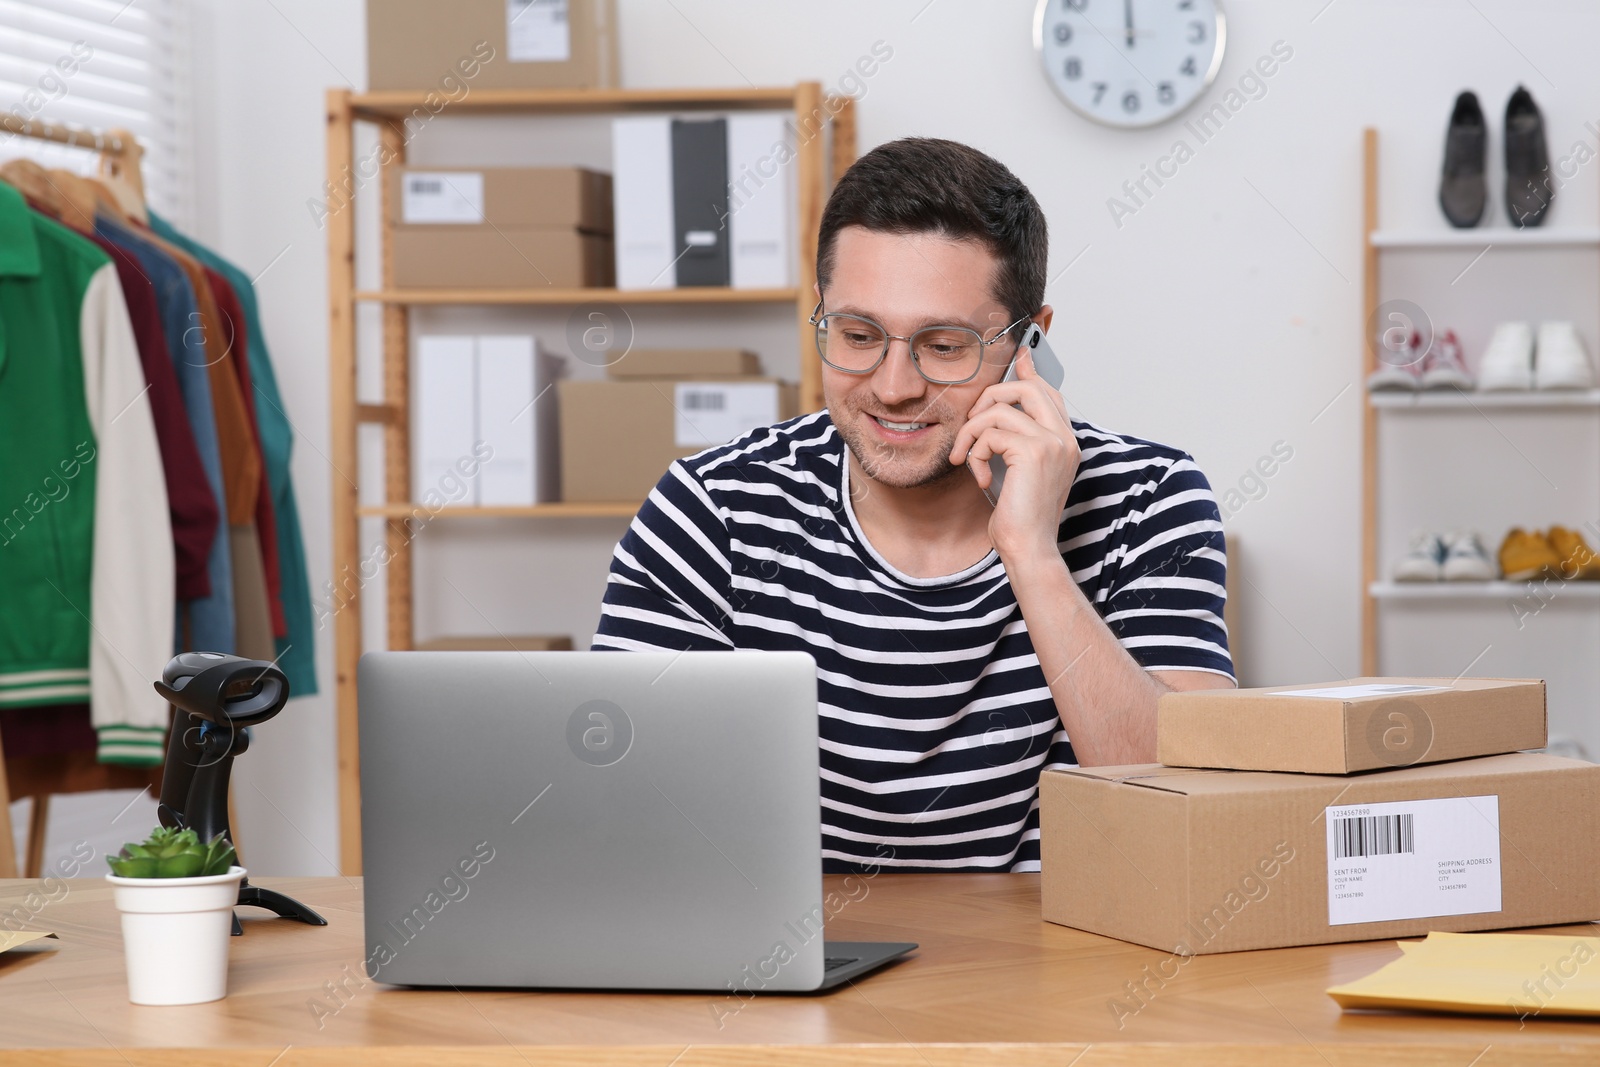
(427, 186)
(704, 401)
(1373, 835)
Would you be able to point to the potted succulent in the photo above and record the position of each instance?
(176, 896)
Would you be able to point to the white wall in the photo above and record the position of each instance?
(1223, 316)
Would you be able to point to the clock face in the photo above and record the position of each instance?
(1129, 62)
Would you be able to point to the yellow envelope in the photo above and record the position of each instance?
(1525, 975)
(10, 939)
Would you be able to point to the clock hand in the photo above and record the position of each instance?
(1127, 19)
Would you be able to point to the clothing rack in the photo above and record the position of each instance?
(120, 159)
(121, 155)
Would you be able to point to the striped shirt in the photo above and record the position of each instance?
(935, 718)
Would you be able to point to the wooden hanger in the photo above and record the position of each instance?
(78, 199)
(123, 175)
(33, 182)
(107, 201)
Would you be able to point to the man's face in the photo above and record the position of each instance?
(905, 283)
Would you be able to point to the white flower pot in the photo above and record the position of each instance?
(175, 935)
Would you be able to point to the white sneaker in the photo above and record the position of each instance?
(1508, 361)
(1423, 561)
(1562, 362)
(1466, 561)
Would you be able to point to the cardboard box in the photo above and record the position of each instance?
(467, 45)
(619, 437)
(534, 643)
(1198, 861)
(686, 363)
(572, 197)
(485, 257)
(1355, 725)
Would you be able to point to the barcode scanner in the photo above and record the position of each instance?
(1049, 368)
(225, 690)
(216, 698)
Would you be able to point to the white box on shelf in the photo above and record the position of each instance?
(641, 163)
(517, 419)
(446, 399)
(761, 200)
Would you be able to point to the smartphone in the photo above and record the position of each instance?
(1049, 368)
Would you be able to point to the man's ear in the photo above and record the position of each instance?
(1046, 313)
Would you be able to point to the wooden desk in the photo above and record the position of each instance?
(992, 984)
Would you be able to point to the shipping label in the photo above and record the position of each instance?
(537, 31)
(714, 413)
(1413, 859)
(1355, 692)
(442, 196)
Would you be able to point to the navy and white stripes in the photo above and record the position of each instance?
(935, 718)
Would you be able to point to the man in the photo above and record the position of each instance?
(961, 646)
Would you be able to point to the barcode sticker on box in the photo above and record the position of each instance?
(442, 196)
(1413, 859)
(537, 31)
(714, 413)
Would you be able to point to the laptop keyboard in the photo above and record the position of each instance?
(833, 963)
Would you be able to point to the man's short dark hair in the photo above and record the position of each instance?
(928, 185)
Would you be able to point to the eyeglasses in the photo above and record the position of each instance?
(944, 355)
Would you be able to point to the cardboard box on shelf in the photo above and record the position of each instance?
(486, 257)
(1193, 861)
(1354, 725)
(572, 197)
(686, 363)
(498, 643)
(619, 437)
(467, 45)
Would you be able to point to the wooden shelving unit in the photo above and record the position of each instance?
(825, 132)
(708, 295)
(560, 510)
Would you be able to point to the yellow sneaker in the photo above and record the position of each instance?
(1528, 554)
(1578, 560)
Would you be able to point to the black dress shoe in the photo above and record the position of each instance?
(1529, 188)
(1462, 192)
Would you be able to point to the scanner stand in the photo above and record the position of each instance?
(200, 755)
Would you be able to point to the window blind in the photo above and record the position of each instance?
(102, 64)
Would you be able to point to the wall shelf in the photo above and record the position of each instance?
(1556, 591)
(1502, 237)
(1455, 400)
(692, 295)
(558, 510)
(1384, 602)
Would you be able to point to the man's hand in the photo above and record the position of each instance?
(1041, 455)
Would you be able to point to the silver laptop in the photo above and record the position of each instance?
(597, 820)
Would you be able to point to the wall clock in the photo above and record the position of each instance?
(1130, 63)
